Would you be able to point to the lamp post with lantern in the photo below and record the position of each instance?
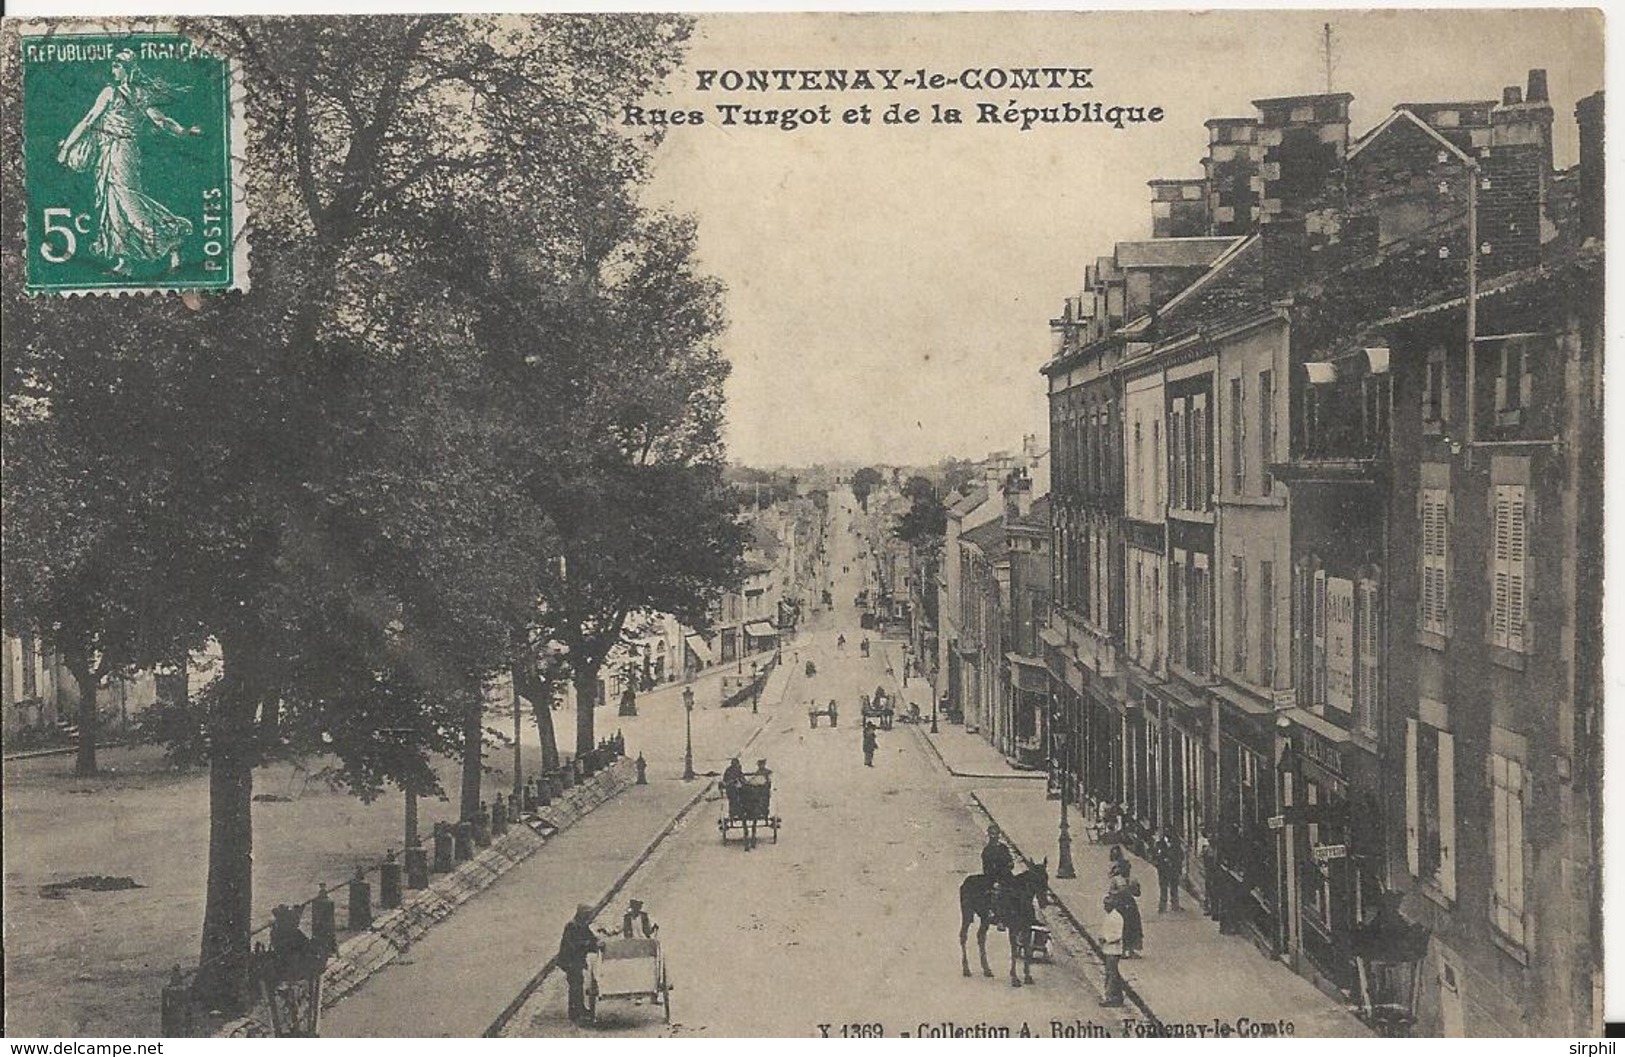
(688, 733)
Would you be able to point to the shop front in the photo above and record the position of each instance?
(1337, 848)
(1250, 827)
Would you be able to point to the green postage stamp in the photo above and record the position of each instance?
(130, 144)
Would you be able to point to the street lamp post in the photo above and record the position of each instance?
(934, 699)
(1064, 869)
(688, 733)
(755, 689)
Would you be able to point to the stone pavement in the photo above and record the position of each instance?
(1189, 972)
(459, 978)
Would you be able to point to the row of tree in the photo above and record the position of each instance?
(466, 422)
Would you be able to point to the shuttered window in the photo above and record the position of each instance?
(1266, 430)
(1506, 787)
(1238, 436)
(1509, 596)
(1266, 623)
(1368, 645)
(1238, 616)
(1317, 661)
(1435, 592)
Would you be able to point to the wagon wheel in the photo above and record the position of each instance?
(665, 994)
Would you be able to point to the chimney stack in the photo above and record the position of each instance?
(1511, 95)
(1588, 112)
(1537, 87)
(1305, 139)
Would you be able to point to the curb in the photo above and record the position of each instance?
(61, 750)
(1072, 919)
(393, 932)
(1018, 776)
(495, 1029)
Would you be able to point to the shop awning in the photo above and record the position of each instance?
(1242, 700)
(1325, 728)
(761, 629)
(700, 648)
(1051, 637)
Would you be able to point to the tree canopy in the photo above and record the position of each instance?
(467, 352)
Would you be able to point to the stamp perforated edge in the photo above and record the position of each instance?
(24, 30)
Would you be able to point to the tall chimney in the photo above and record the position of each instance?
(1537, 87)
(1588, 112)
(1511, 95)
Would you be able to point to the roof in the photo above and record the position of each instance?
(1400, 115)
(764, 539)
(1036, 518)
(989, 537)
(1194, 252)
(975, 498)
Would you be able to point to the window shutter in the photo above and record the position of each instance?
(1441, 573)
(1515, 849)
(1317, 673)
(1500, 567)
(1447, 814)
(1413, 806)
(1500, 392)
(1366, 641)
(1517, 518)
(1500, 843)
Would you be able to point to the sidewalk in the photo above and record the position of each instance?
(964, 754)
(459, 978)
(1190, 973)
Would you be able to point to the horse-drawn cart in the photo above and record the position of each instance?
(628, 967)
(879, 708)
(749, 806)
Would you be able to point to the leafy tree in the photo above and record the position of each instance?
(926, 520)
(864, 482)
(312, 474)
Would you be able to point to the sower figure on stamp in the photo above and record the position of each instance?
(131, 227)
(577, 942)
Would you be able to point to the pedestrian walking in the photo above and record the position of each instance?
(870, 744)
(1111, 951)
(577, 942)
(1168, 855)
(1205, 855)
(1126, 890)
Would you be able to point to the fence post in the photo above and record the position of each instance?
(360, 901)
(417, 867)
(389, 882)
(481, 826)
(324, 930)
(463, 841)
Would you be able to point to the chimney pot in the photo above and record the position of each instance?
(1537, 86)
(1511, 95)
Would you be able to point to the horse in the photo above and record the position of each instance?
(1012, 906)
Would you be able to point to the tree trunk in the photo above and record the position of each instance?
(586, 684)
(223, 971)
(78, 663)
(542, 706)
(473, 755)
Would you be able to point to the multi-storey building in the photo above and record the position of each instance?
(1351, 571)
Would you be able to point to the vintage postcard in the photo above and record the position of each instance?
(932, 525)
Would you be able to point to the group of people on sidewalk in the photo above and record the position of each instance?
(1122, 930)
(579, 941)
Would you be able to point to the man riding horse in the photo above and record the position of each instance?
(999, 896)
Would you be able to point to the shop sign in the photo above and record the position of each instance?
(1275, 821)
(1340, 643)
(1317, 748)
(1325, 853)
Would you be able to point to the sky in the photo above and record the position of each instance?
(890, 286)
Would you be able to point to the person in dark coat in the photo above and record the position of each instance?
(997, 862)
(635, 921)
(732, 778)
(577, 942)
(1169, 858)
(870, 744)
(1127, 890)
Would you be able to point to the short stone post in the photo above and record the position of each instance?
(643, 770)
(443, 847)
(499, 816)
(417, 867)
(529, 795)
(567, 774)
(324, 929)
(463, 841)
(389, 881)
(481, 824)
(360, 901)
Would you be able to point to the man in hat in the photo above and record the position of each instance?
(1111, 950)
(577, 942)
(997, 862)
(761, 769)
(870, 743)
(636, 921)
